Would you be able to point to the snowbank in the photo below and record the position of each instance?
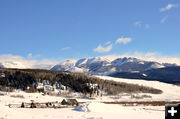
(99, 107)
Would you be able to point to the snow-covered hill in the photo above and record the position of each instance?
(169, 90)
(102, 65)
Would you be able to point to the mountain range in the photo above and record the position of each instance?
(104, 66)
(126, 67)
(93, 65)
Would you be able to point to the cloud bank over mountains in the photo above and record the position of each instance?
(14, 61)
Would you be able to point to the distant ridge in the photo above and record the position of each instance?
(167, 75)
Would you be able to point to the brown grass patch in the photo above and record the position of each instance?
(153, 103)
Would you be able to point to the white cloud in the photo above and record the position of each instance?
(65, 48)
(31, 56)
(102, 49)
(168, 7)
(137, 24)
(164, 19)
(140, 24)
(124, 40)
(109, 45)
(108, 42)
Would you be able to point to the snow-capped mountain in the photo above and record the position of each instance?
(101, 65)
(134, 64)
(65, 65)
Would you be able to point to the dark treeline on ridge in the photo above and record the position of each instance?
(23, 78)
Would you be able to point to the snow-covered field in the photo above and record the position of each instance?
(170, 92)
(91, 109)
(88, 110)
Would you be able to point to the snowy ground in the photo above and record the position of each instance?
(88, 110)
(92, 109)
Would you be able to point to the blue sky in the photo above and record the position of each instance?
(62, 29)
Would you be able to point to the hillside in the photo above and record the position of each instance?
(28, 80)
(169, 90)
(167, 75)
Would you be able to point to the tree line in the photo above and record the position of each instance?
(24, 78)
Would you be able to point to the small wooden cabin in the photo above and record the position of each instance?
(72, 102)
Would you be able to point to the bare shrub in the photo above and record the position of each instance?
(140, 96)
(2, 94)
(31, 90)
(17, 96)
(6, 89)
